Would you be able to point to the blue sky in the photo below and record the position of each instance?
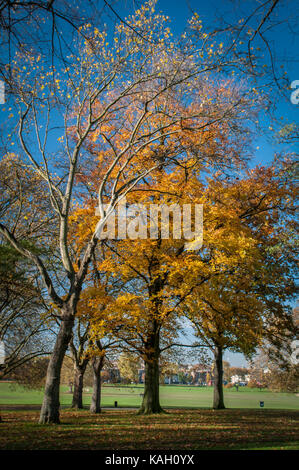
(283, 39)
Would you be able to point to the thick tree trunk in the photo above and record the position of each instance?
(97, 365)
(50, 407)
(78, 388)
(218, 402)
(151, 400)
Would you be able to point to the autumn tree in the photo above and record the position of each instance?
(89, 101)
(279, 358)
(95, 346)
(144, 314)
(167, 370)
(44, 28)
(246, 305)
(221, 324)
(32, 373)
(128, 365)
(67, 372)
(99, 352)
(195, 146)
(282, 380)
(226, 371)
(258, 372)
(23, 311)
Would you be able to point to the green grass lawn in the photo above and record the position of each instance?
(171, 396)
(176, 430)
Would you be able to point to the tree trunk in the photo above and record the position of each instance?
(97, 365)
(78, 388)
(218, 402)
(151, 400)
(50, 407)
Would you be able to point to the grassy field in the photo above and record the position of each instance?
(242, 426)
(176, 430)
(171, 396)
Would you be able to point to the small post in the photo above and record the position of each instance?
(115, 404)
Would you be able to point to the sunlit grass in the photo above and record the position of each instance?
(171, 396)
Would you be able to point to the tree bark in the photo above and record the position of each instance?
(97, 366)
(51, 405)
(78, 387)
(218, 401)
(151, 400)
(80, 363)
